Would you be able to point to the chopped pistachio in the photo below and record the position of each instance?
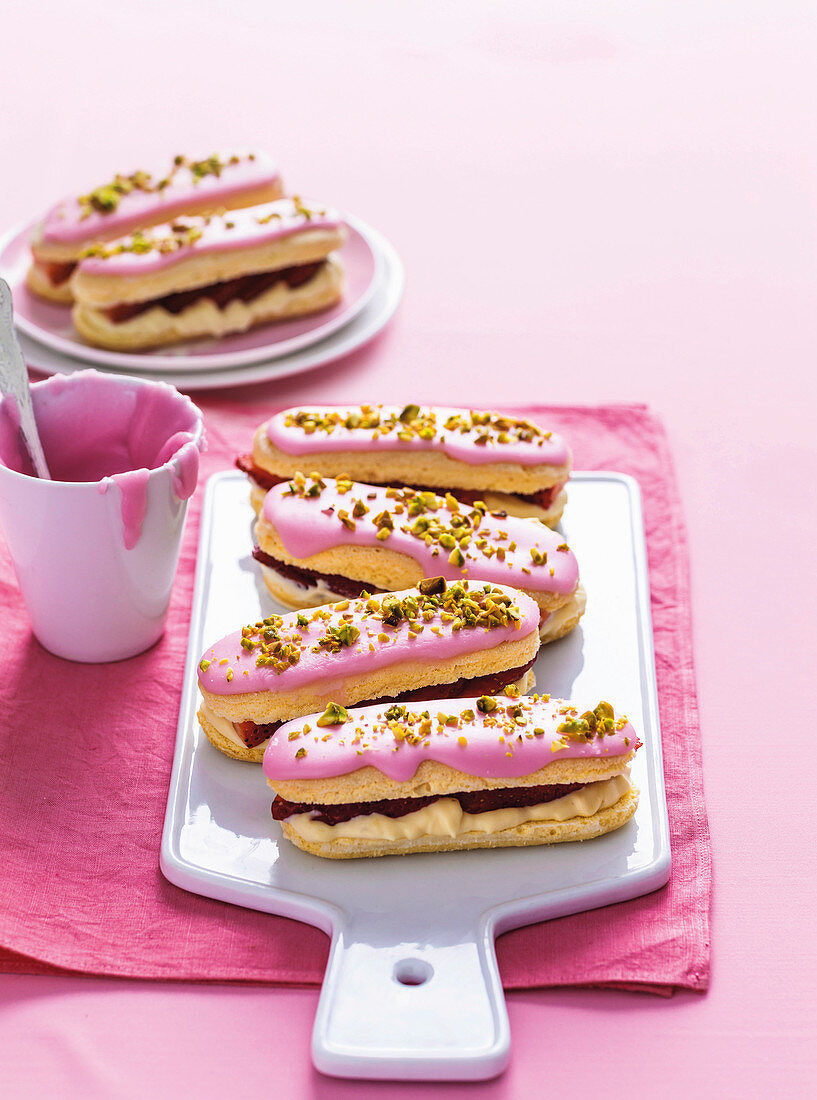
(334, 715)
(486, 703)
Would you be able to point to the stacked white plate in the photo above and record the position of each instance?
(374, 285)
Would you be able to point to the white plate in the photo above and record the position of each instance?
(371, 319)
(412, 988)
(49, 323)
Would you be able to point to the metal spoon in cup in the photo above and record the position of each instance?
(14, 383)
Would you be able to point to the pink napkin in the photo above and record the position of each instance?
(86, 752)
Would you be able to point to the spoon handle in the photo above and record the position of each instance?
(14, 382)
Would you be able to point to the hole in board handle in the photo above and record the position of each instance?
(412, 972)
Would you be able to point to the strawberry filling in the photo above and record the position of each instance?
(244, 289)
(472, 802)
(308, 578)
(57, 274)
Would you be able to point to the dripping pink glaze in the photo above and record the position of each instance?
(134, 489)
(331, 669)
(246, 232)
(484, 755)
(457, 445)
(305, 529)
(110, 430)
(185, 468)
(64, 223)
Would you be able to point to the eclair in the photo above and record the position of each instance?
(319, 539)
(512, 465)
(209, 276)
(445, 775)
(139, 200)
(434, 640)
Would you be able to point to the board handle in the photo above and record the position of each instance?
(411, 1010)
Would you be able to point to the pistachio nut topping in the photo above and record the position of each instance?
(593, 723)
(105, 199)
(414, 422)
(442, 523)
(334, 715)
(278, 643)
(182, 234)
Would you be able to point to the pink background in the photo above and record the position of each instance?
(606, 202)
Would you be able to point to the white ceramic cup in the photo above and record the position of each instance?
(95, 552)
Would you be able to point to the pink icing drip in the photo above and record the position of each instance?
(64, 222)
(185, 469)
(454, 444)
(483, 755)
(246, 232)
(134, 489)
(305, 529)
(329, 669)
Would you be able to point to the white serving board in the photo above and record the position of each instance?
(412, 989)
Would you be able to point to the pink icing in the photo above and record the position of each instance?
(64, 223)
(99, 428)
(330, 669)
(185, 466)
(309, 525)
(490, 752)
(219, 233)
(134, 489)
(461, 446)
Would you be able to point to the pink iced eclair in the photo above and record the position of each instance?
(209, 276)
(139, 200)
(438, 776)
(319, 539)
(511, 464)
(434, 640)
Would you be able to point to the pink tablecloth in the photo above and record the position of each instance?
(86, 754)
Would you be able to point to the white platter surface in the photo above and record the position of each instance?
(412, 989)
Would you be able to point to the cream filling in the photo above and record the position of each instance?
(227, 729)
(517, 506)
(446, 818)
(557, 619)
(299, 595)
